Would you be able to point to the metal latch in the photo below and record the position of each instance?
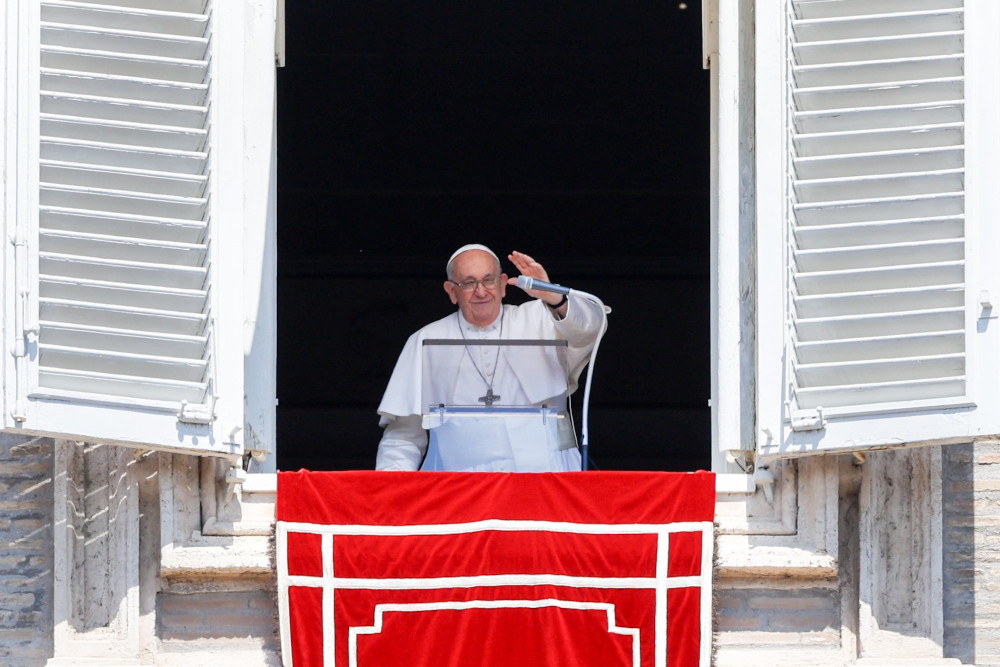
(807, 420)
(28, 326)
(199, 413)
(986, 309)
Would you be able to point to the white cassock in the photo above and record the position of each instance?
(512, 444)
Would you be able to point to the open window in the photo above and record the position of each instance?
(138, 227)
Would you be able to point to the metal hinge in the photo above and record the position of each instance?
(28, 327)
(806, 420)
(199, 413)
(25, 326)
(202, 413)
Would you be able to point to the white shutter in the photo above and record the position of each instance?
(130, 243)
(865, 224)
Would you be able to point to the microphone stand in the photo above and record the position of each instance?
(528, 283)
(585, 426)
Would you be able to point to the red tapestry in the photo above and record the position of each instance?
(378, 569)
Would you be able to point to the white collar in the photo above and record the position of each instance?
(469, 326)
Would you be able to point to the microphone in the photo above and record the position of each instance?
(526, 283)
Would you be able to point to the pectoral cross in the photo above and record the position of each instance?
(489, 397)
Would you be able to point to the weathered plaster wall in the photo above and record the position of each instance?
(25, 551)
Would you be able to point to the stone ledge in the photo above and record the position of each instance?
(737, 484)
(908, 662)
(218, 657)
(736, 558)
(800, 656)
(261, 482)
(261, 528)
(218, 557)
(91, 662)
(748, 655)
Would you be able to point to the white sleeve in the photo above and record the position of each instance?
(403, 444)
(582, 323)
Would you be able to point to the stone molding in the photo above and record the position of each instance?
(761, 537)
(96, 555)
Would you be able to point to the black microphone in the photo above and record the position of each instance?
(526, 283)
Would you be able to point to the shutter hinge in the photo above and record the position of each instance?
(23, 344)
(29, 328)
(25, 326)
(200, 413)
(806, 420)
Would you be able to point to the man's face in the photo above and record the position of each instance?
(481, 305)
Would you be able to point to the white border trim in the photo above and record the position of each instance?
(382, 609)
(498, 525)
(329, 583)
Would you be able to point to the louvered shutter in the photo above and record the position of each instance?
(129, 260)
(870, 253)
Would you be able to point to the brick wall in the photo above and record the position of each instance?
(26, 556)
(776, 614)
(971, 514)
(237, 615)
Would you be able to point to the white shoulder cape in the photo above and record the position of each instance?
(533, 320)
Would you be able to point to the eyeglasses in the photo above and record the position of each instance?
(489, 282)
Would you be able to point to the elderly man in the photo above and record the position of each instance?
(477, 285)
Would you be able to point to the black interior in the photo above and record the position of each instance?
(577, 132)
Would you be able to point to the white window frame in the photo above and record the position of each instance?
(732, 399)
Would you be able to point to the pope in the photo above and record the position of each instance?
(476, 284)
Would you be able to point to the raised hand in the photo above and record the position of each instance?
(529, 267)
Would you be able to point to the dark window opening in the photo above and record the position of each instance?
(577, 132)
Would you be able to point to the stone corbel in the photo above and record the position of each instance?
(236, 505)
(783, 524)
(208, 532)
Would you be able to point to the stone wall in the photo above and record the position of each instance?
(971, 505)
(247, 616)
(25, 551)
(778, 612)
(903, 585)
(212, 594)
